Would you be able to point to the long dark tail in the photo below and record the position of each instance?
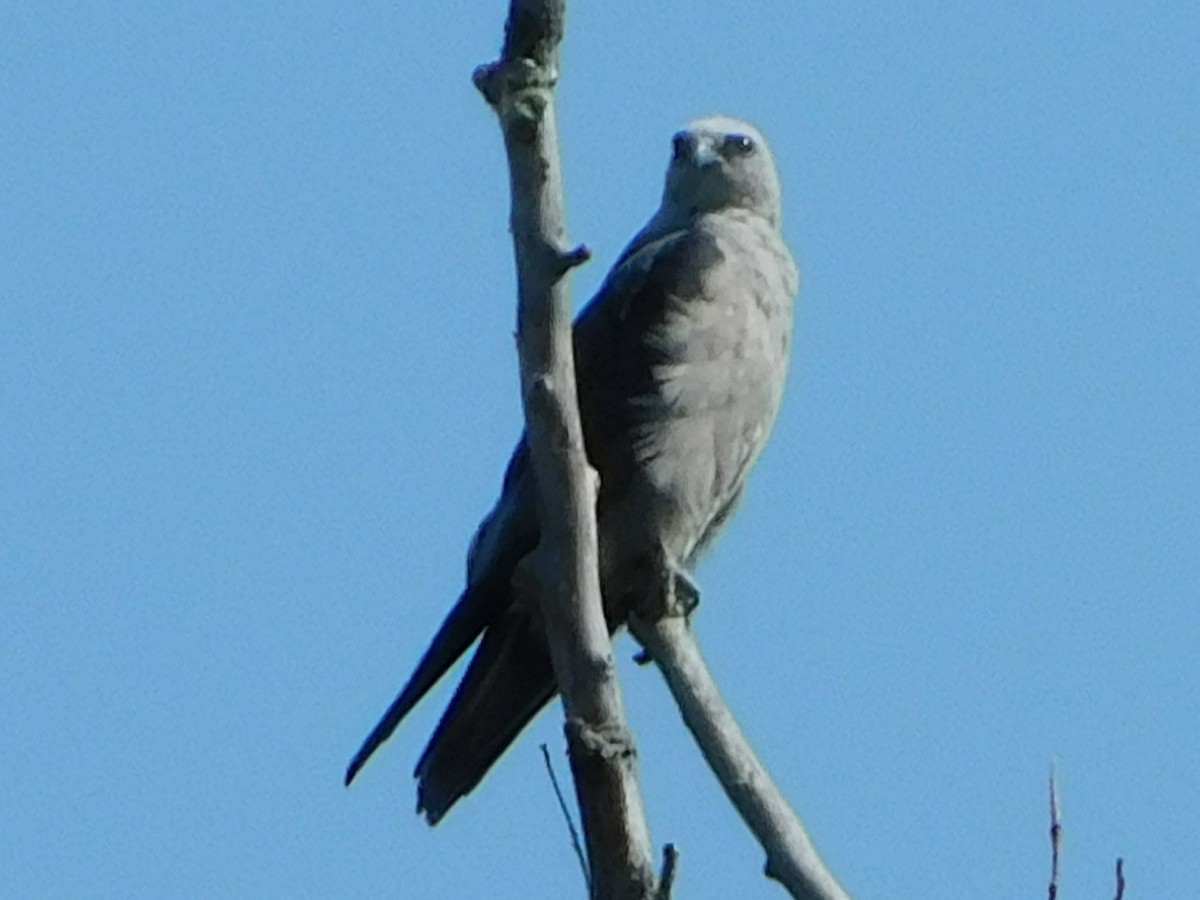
(464, 623)
(509, 680)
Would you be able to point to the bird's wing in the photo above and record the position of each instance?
(614, 363)
(507, 534)
(510, 677)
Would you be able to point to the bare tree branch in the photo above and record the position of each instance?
(1055, 832)
(792, 860)
(520, 88)
(1120, 878)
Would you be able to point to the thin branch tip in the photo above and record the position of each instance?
(666, 877)
(576, 844)
(1055, 832)
(573, 258)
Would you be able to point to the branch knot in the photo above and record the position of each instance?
(602, 742)
(519, 90)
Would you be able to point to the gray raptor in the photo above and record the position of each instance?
(680, 360)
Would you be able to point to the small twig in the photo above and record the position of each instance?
(1056, 834)
(1120, 878)
(562, 805)
(666, 878)
(566, 260)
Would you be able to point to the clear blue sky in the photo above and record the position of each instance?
(257, 385)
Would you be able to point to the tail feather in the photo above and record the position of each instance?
(464, 623)
(508, 682)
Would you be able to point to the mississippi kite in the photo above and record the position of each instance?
(680, 361)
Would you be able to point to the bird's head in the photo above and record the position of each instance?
(722, 163)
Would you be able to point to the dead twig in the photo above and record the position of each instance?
(566, 813)
(1055, 833)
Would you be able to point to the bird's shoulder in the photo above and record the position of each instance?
(661, 262)
(731, 257)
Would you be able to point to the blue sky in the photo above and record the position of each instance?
(257, 385)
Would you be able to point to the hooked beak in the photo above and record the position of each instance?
(704, 155)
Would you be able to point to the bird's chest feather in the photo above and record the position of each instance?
(721, 347)
(718, 362)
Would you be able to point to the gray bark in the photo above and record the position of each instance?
(792, 859)
(564, 574)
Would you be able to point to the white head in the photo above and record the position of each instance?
(722, 163)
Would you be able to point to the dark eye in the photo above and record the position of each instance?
(738, 145)
(681, 147)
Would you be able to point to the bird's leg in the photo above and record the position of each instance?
(684, 595)
(677, 595)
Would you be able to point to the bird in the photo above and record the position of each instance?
(681, 359)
